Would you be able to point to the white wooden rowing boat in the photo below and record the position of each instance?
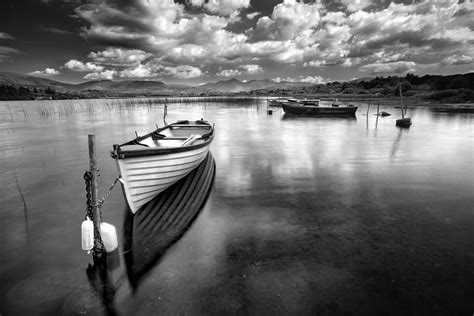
(151, 163)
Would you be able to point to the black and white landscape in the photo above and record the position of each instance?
(251, 157)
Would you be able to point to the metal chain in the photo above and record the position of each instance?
(96, 251)
(88, 179)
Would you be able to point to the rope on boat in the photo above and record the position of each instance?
(101, 201)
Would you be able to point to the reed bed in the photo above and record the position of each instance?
(53, 109)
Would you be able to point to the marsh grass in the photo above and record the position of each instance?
(55, 109)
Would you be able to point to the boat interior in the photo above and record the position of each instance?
(179, 134)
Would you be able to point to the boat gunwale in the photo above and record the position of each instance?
(119, 153)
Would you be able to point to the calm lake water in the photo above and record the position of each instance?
(320, 216)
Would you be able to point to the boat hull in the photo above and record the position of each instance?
(297, 109)
(150, 164)
(274, 103)
(404, 122)
(145, 177)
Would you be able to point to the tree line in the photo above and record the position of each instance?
(8, 92)
(452, 88)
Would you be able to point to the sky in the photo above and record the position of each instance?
(199, 41)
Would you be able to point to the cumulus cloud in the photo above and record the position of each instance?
(226, 7)
(229, 73)
(46, 72)
(309, 79)
(252, 15)
(101, 75)
(417, 30)
(114, 56)
(140, 71)
(457, 60)
(154, 68)
(387, 38)
(77, 65)
(356, 5)
(387, 68)
(288, 19)
(184, 71)
(313, 79)
(334, 61)
(252, 69)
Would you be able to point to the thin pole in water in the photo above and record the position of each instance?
(401, 99)
(94, 192)
(377, 119)
(367, 116)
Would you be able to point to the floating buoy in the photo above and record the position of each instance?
(109, 236)
(87, 235)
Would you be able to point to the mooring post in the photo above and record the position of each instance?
(94, 194)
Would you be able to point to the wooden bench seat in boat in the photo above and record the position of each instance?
(152, 142)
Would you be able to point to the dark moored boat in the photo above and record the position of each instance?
(278, 102)
(404, 121)
(312, 108)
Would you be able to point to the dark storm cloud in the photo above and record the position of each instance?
(411, 38)
(129, 18)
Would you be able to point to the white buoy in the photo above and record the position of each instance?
(109, 236)
(87, 235)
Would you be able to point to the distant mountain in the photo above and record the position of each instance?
(235, 85)
(18, 80)
(120, 86)
(144, 87)
(231, 85)
(109, 86)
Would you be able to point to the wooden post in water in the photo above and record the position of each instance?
(94, 194)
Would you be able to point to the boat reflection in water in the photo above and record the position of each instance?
(149, 232)
(163, 220)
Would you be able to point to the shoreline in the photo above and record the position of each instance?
(411, 102)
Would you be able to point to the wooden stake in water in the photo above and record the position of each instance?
(94, 192)
(165, 113)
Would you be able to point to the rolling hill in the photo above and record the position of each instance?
(145, 87)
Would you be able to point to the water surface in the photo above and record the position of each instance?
(307, 215)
